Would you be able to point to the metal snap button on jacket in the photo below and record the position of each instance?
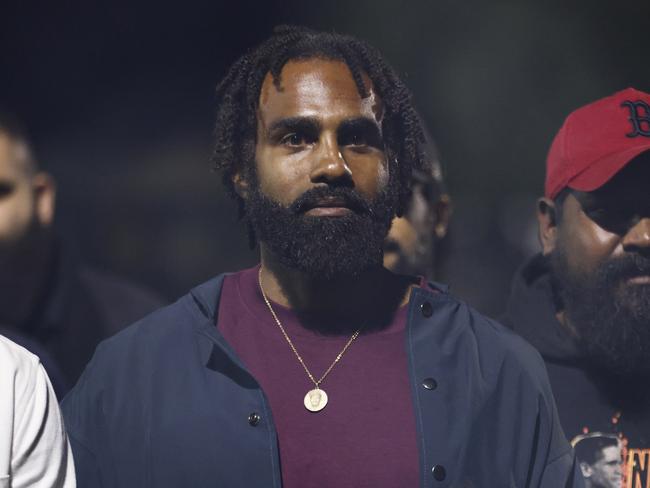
(439, 472)
(430, 383)
(254, 419)
(427, 309)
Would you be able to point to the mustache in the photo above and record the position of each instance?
(349, 198)
(626, 267)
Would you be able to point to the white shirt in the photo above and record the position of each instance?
(34, 449)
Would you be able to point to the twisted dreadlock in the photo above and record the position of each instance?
(238, 97)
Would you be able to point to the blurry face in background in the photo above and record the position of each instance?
(16, 196)
(411, 243)
(600, 258)
(26, 204)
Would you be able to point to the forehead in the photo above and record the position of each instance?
(611, 453)
(10, 161)
(633, 177)
(317, 88)
(628, 187)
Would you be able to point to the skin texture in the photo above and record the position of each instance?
(293, 158)
(607, 471)
(316, 131)
(26, 213)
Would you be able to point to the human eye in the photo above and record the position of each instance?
(293, 139)
(357, 139)
(360, 135)
(6, 189)
(611, 219)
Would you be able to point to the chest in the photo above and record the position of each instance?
(365, 435)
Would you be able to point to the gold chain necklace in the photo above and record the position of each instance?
(316, 399)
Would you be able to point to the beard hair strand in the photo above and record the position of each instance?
(325, 248)
(611, 317)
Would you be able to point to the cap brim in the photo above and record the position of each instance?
(600, 172)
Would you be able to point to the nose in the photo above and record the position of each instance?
(637, 238)
(329, 165)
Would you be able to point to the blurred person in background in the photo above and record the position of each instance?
(50, 302)
(34, 450)
(584, 302)
(413, 241)
(318, 367)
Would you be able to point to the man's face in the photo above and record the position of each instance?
(320, 197)
(607, 471)
(601, 263)
(17, 202)
(318, 131)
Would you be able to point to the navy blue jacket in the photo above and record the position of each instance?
(167, 403)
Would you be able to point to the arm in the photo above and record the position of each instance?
(39, 451)
(560, 468)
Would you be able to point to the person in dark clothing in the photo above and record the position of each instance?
(584, 302)
(50, 303)
(412, 245)
(318, 367)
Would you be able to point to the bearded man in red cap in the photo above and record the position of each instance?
(584, 302)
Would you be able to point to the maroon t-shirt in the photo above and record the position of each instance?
(366, 435)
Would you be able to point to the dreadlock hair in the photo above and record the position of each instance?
(238, 98)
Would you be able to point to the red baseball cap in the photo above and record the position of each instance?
(596, 141)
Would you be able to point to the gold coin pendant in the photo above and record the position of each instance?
(315, 400)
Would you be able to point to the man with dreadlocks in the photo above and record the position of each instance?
(317, 368)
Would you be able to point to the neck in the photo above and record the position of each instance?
(338, 305)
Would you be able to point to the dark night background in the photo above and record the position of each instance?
(119, 98)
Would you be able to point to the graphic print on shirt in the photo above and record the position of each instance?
(607, 460)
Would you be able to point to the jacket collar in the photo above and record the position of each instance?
(203, 300)
(531, 312)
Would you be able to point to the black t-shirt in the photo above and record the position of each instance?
(612, 442)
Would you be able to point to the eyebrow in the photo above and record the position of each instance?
(360, 123)
(312, 124)
(294, 124)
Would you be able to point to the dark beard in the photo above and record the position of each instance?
(25, 268)
(612, 318)
(324, 247)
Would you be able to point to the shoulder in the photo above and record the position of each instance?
(17, 365)
(23, 381)
(128, 370)
(131, 354)
(476, 339)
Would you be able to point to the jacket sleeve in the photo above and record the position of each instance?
(87, 470)
(552, 453)
(82, 411)
(562, 472)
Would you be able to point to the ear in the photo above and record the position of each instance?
(586, 470)
(547, 224)
(44, 188)
(442, 214)
(241, 185)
